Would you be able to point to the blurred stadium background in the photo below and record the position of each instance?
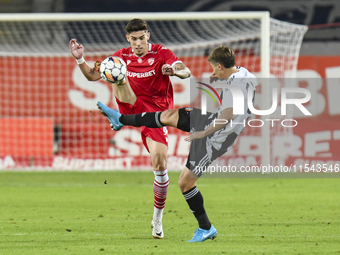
(323, 17)
(315, 140)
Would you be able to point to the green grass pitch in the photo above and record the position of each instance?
(76, 213)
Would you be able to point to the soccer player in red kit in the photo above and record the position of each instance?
(147, 89)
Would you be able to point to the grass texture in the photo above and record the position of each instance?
(77, 213)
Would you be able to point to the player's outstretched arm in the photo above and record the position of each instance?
(77, 51)
(179, 69)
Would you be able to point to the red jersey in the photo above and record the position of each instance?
(146, 78)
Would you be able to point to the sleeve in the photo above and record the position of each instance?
(227, 99)
(118, 53)
(169, 57)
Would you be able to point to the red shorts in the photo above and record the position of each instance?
(156, 134)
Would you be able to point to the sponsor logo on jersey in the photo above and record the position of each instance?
(141, 75)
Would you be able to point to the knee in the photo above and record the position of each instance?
(159, 162)
(186, 184)
(181, 184)
(167, 117)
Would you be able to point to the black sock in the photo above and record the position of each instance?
(147, 119)
(194, 199)
(184, 119)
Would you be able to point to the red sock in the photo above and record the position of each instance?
(160, 190)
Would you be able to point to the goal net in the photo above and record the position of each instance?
(48, 113)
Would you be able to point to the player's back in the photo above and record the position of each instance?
(244, 81)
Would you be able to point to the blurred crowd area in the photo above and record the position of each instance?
(322, 16)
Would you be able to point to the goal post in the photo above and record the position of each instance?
(265, 73)
(37, 45)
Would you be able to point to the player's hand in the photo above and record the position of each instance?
(119, 83)
(97, 66)
(122, 82)
(195, 136)
(168, 70)
(213, 77)
(77, 50)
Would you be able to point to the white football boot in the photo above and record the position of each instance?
(157, 229)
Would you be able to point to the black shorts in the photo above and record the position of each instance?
(202, 153)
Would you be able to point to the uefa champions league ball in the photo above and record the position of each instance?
(113, 69)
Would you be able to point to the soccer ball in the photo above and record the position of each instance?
(113, 69)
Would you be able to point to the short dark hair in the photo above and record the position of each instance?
(136, 25)
(222, 55)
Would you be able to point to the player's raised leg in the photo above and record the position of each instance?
(178, 118)
(194, 198)
(158, 153)
(112, 115)
(124, 93)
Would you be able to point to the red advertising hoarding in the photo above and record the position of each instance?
(53, 88)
